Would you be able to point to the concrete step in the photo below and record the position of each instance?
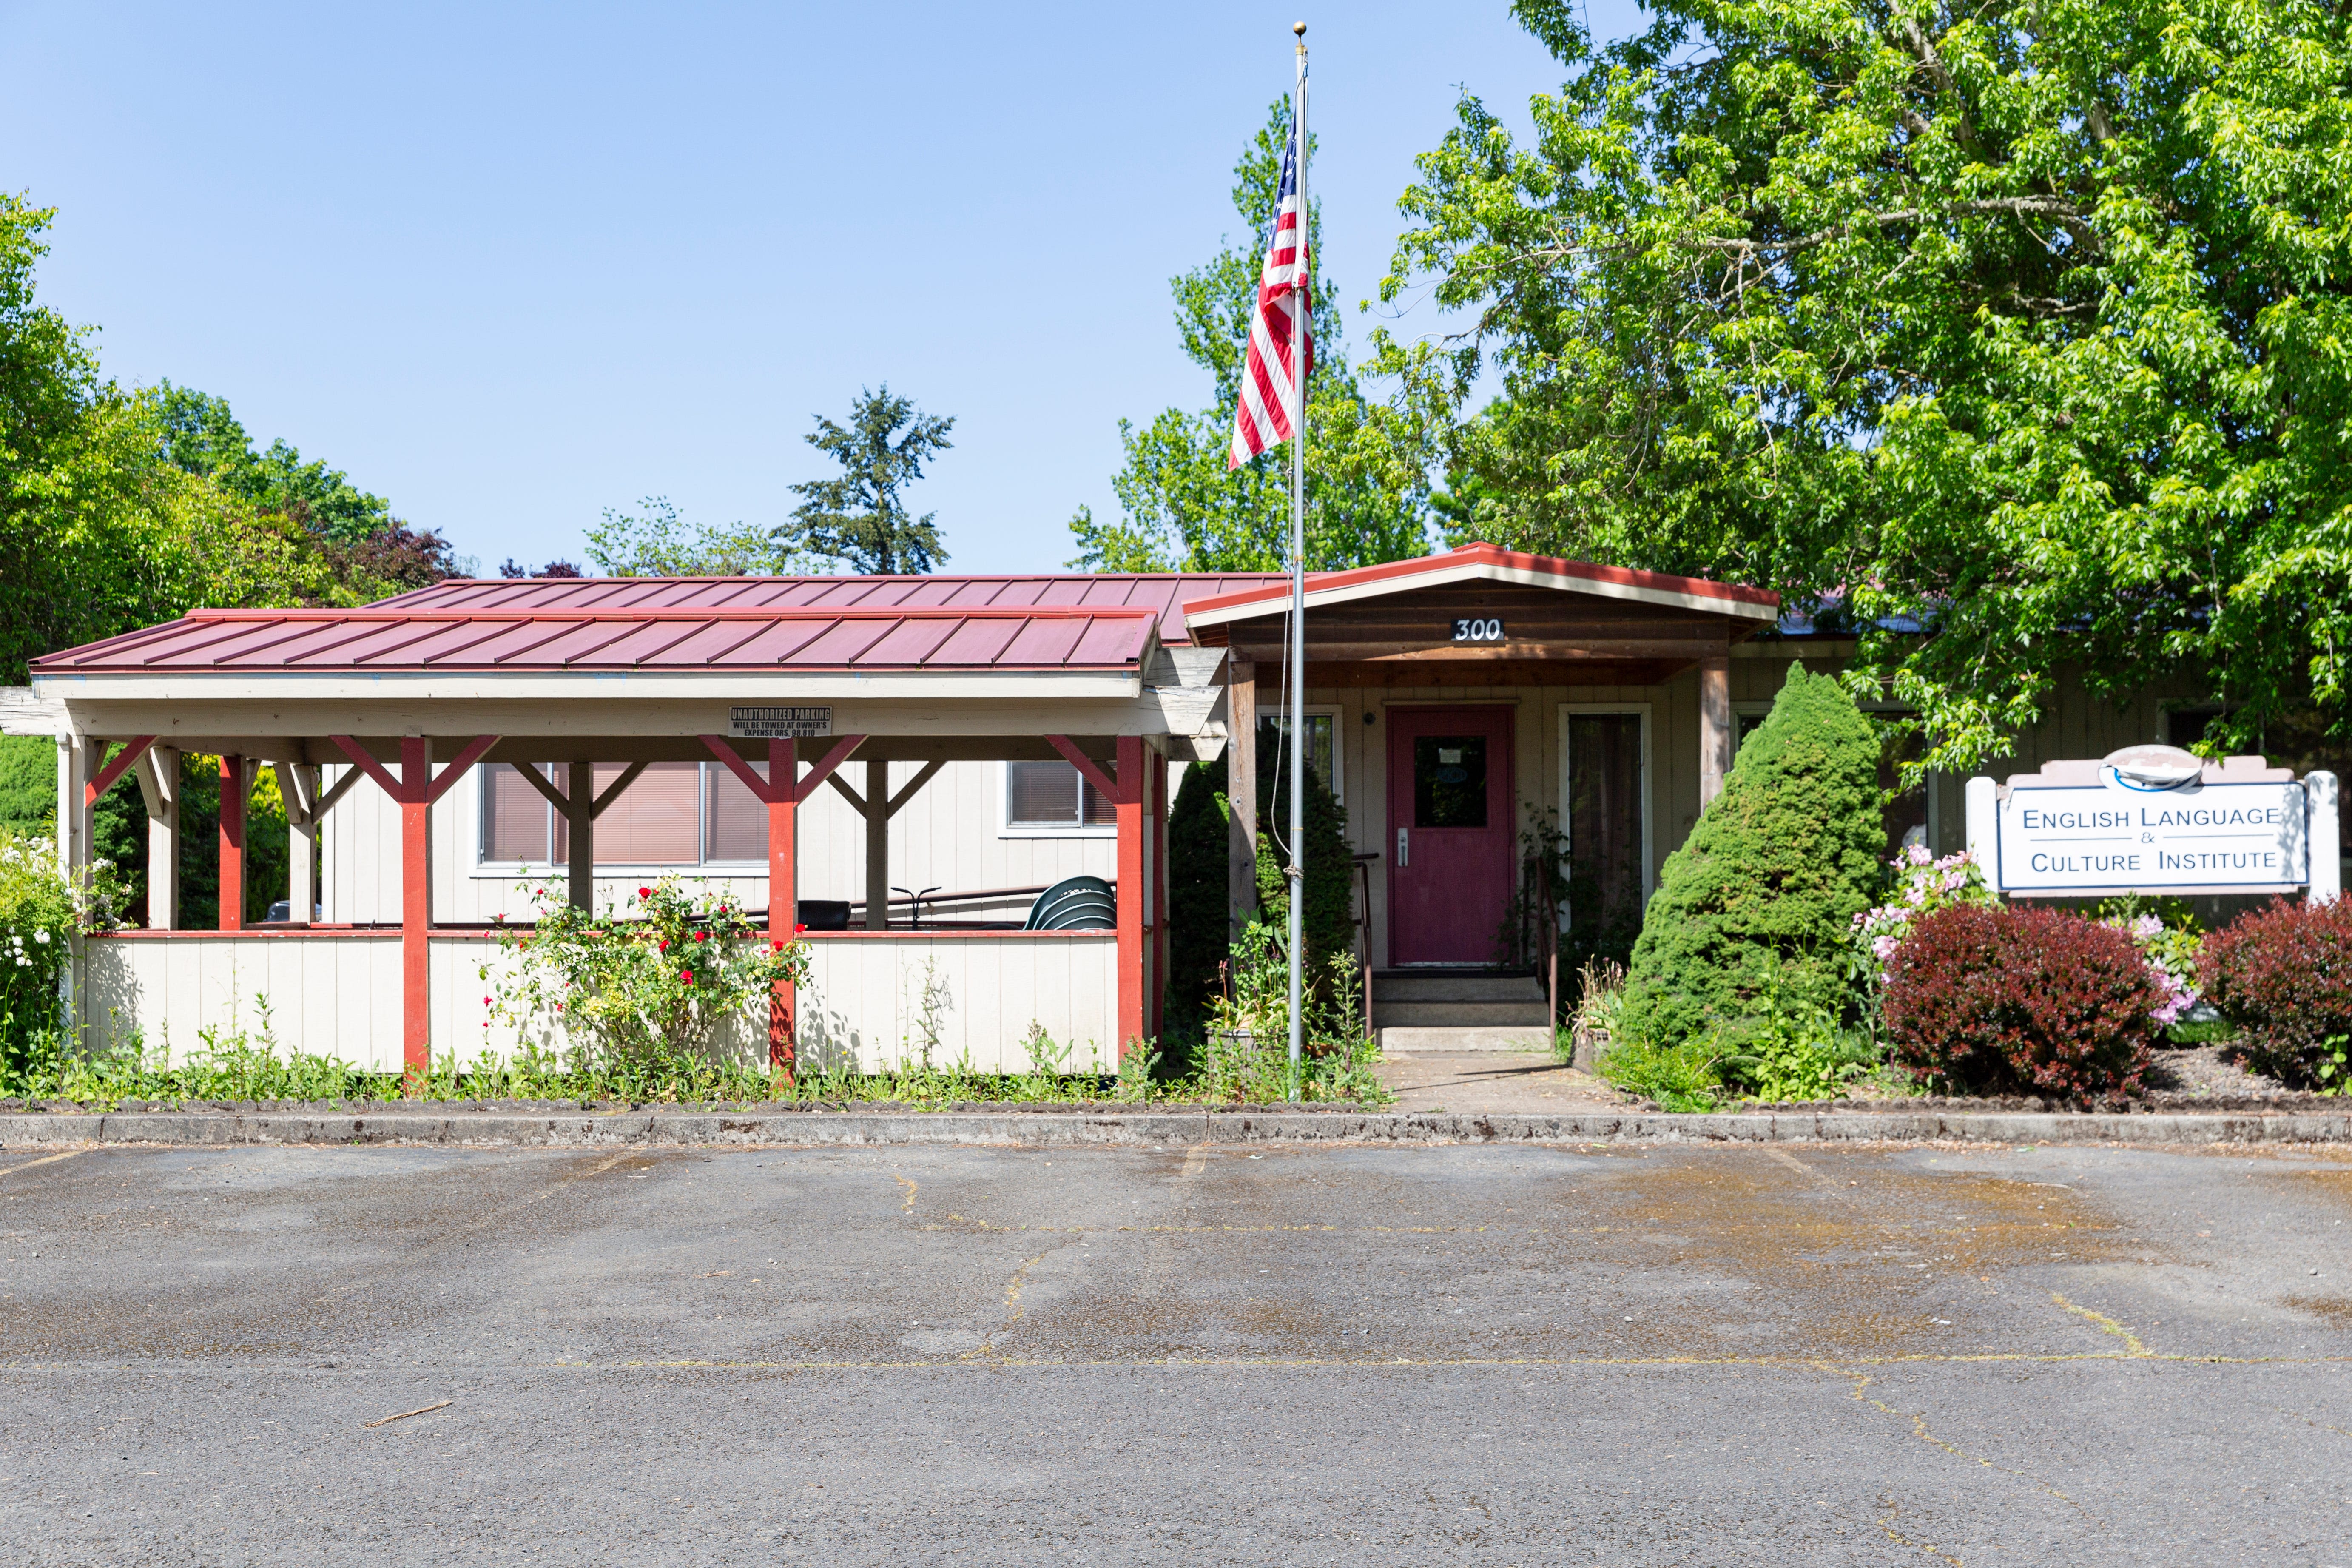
(1417, 1014)
(1442, 985)
(1523, 1041)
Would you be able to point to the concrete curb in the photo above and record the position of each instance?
(1146, 1129)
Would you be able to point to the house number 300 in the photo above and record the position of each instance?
(1489, 629)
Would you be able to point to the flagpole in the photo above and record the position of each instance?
(1300, 348)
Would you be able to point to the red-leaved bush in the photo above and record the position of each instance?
(2282, 977)
(2021, 1001)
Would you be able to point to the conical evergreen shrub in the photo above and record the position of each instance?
(1198, 852)
(1770, 880)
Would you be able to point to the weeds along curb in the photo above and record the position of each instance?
(1146, 1129)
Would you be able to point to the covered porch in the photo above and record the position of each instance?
(1462, 706)
(578, 690)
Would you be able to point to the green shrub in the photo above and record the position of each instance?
(1683, 1077)
(36, 924)
(1330, 927)
(1199, 853)
(1790, 1049)
(1245, 1052)
(2023, 1000)
(1775, 870)
(2281, 976)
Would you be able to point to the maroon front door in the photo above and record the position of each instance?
(1449, 847)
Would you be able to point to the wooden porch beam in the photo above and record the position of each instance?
(1091, 769)
(131, 753)
(833, 759)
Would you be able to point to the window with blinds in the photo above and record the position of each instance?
(1044, 795)
(673, 814)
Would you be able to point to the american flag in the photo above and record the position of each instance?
(1279, 331)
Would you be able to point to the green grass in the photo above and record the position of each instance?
(238, 1068)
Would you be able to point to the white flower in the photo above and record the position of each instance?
(41, 936)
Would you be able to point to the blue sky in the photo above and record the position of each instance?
(509, 266)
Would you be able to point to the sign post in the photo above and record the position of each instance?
(2157, 819)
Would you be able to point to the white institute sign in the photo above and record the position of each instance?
(2155, 819)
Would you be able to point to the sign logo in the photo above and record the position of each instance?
(778, 723)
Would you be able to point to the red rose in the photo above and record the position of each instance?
(687, 975)
(702, 936)
(644, 892)
(797, 930)
(777, 945)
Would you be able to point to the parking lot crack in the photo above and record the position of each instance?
(2132, 1347)
(1919, 1429)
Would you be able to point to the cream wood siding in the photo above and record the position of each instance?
(324, 995)
(947, 836)
(865, 1003)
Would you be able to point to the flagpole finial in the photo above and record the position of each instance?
(1299, 28)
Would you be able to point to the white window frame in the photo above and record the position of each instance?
(1339, 741)
(1005, 828)
(1648, 781)
(509, 870)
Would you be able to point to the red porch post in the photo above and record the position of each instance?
(1133, 890)
(415, 797)
(232, 844)
(784, 889)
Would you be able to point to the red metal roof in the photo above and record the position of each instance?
(673, 625)
(676, 625)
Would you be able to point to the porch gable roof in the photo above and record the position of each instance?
(1492, 564)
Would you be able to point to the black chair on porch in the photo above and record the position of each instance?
(1074, 903)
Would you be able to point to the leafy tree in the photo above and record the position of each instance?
(103, 529)
(859, 518)
(1761, 897)
(1366, 463)
(201, 436)
(557, 568)
(656, 542)
(2018, 319)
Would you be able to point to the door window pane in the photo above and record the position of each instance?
(1449, 781)
(736, 819)
(514, 817)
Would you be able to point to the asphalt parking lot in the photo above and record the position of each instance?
(1625, 1354)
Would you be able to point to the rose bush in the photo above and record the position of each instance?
(647, 984)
